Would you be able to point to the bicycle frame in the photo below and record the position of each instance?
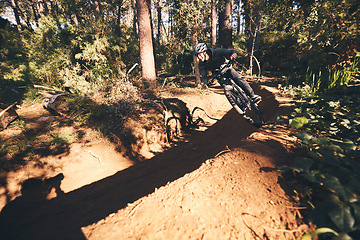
(237, 97)
(229, 84)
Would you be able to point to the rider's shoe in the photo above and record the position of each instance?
(256, 98)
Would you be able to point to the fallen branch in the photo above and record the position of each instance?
(47, 88)
(193, 111)
(49, 100)
(6, 109)
(132, 68)
(224, 151)
(95, 156)
(162, 86)
(134, 208)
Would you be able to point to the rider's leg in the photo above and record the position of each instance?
(242, 82)
(244, 85)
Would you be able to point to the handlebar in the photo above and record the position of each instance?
(222, 70)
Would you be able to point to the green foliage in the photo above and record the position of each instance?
(317, 232)
(329, 79)
(300, 92)
(47, 52)
(329, 26)
(301, 35)
(332, 140)
(279, 51)
(87, 59)
(187, 15)
(19, 123)
(13, 67)
(298, 122)
(59, 140)
(332, 77)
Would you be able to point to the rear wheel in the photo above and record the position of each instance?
(250, 111)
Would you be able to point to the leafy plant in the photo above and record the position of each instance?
(328, 79)
(59, 140)
(331, 137)
(317, 232)
(332, 77)
(301, 91)
(19, 123)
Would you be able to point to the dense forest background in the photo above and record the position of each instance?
(112, 53)
(93, 47)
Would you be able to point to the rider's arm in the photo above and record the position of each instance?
(203, 73)
(227, 53)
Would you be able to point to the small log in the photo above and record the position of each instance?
(7, 115)
(49, 100)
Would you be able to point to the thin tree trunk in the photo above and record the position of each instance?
(118, 15)
(239, 18)
(16, 14)
(213, 23)
(194, 41)
(74, 18)
(97, 10)
(159, 10)
(36, 17)
(255, 40)
(146, 45)
(53, 8)
(135, 20)
(54, 12)
(42, 8)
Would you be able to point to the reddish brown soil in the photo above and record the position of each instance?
(221, 183)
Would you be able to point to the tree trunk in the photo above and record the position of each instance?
(225, 25)
(36, 17)
(255, 30)
(74, 18)
(135, 16)
(159, 10)
(239, 18)
(16, 14)
(53, 8)
(194, 41)
(42, 8)
(97, 10)
(146, 45)
(118, 15)
(213, 23)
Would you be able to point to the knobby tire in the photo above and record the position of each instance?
(253, 114)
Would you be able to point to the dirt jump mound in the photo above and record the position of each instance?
(221, 183)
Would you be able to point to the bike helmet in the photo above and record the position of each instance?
(199, 48)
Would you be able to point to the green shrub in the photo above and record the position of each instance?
(329, 130)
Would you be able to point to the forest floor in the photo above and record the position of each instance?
(219, 182)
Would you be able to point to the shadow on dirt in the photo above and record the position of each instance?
(62, 217)
(26, 146)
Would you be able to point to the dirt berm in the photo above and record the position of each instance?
(221, 183)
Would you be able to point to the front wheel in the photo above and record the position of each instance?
(249, 110)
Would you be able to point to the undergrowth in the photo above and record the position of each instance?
(329, 130)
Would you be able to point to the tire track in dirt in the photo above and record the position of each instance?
(32, 217)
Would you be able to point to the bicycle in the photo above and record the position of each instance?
(237, 97)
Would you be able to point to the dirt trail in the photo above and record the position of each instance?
(220, 184)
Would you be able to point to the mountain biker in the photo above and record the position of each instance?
(212, 59)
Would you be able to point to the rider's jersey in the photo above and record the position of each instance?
(217, 57)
